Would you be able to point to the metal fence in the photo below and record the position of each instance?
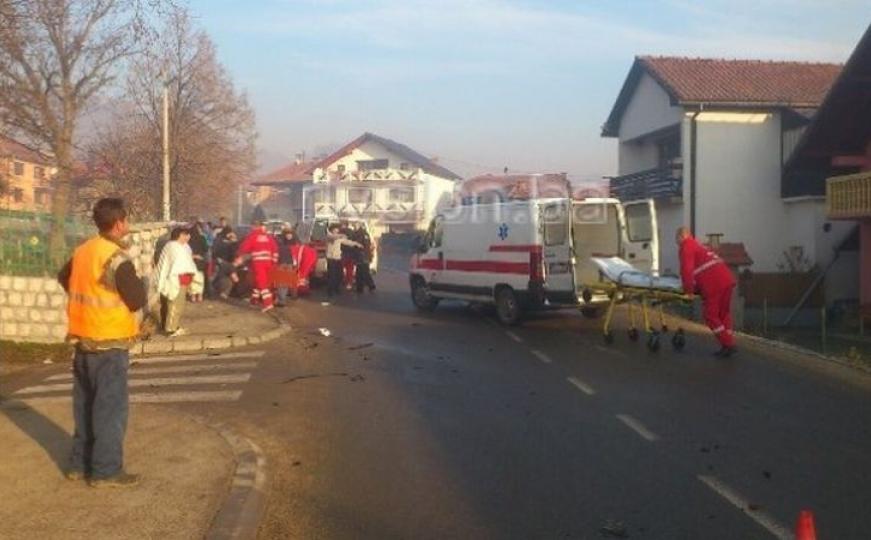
(24, 242)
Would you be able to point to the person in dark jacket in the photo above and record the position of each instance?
(200, 247)
(285, 275)
(363, 258)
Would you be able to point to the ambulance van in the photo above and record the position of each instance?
(530, 254)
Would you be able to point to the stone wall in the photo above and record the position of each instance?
(34, 308)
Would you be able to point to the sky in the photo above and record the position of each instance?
(487, 84)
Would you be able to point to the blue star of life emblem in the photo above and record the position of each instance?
(503, 231)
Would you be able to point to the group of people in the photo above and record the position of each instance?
(202, 260)
(349, 259)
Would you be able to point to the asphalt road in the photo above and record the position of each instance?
(445, 425)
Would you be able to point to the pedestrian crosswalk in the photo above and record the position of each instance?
(193, 378)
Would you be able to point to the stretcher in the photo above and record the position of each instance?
(637, 290)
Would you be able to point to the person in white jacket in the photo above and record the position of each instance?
(174, 273)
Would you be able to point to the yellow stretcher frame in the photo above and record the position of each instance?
(646, 298)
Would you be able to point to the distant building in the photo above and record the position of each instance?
(374, 178)
(709, 138)
(27, 176)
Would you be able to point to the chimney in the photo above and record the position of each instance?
(300, 158)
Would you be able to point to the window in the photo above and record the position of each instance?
(638, 222)
(668, 150)
(436, 232)
(404, 166)
(371, 164)
(18, 195)
(322, 195)
(360, 196)
(402, 195)
(39, 172)
(18, 168)
(40, 196)
(556, 225)
(340, 169)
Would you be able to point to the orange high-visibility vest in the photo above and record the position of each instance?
(95, 311)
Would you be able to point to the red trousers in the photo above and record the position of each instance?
(349, 266)
(717, 310)
(261, 292)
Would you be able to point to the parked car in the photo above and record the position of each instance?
(314, 233)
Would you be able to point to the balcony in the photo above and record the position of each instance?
(849, 196)
(371, 175)
(662, 183)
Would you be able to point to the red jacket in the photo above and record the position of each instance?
(261, 246)
(702, 269)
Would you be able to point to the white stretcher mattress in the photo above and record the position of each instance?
(621, 272)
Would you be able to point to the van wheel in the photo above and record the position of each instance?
(507, 307)
(420, 296)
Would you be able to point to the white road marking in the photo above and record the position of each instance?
(514, 336)
(541, 356)
(168, 397)
(582, 386)
(136, 370)
(638, 427)
(193, 357)
(762, 518)
(204, 379)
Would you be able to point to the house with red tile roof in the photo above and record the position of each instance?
(708, 139)
(26, 175)
(373, 178)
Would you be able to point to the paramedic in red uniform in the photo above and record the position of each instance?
(263, 249)
(702, 271)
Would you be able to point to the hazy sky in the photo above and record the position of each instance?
(489, 83)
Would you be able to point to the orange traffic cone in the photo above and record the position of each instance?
(804, 528)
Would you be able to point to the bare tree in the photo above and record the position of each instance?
(211, 125)
(56, 57)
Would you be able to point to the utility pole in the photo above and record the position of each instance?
(166, 206)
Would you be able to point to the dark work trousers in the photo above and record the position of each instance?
(99, 411)
(363, 277)
(334, 276)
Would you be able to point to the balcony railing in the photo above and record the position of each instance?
(659, 183)
(374, 175)
(849, 196)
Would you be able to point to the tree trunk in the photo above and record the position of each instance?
(60, 202)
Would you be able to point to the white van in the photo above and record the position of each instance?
(524, 255)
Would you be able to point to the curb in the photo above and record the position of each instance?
(795, 349)
(240, 513)
(206, 344)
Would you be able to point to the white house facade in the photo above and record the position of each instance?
(708, 140)
(381, 181)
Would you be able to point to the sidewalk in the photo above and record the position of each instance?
(216, 324)
(182, 488)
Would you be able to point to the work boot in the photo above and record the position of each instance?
(725, 352)
(121, 479)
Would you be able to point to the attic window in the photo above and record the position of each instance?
(372, 164)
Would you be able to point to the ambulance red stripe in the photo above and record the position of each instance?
(516, 248)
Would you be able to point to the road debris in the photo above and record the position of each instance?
(325, 304)
(362, 346)
(614, 529)
(47, 361)
(325, 332)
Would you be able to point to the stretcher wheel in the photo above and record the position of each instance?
(653, 342)
(678, 340)
(609, 337)
(633, 334)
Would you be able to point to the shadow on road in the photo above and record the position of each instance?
(51, 437)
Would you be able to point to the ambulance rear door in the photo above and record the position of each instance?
(640, 235)
(555, 222)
